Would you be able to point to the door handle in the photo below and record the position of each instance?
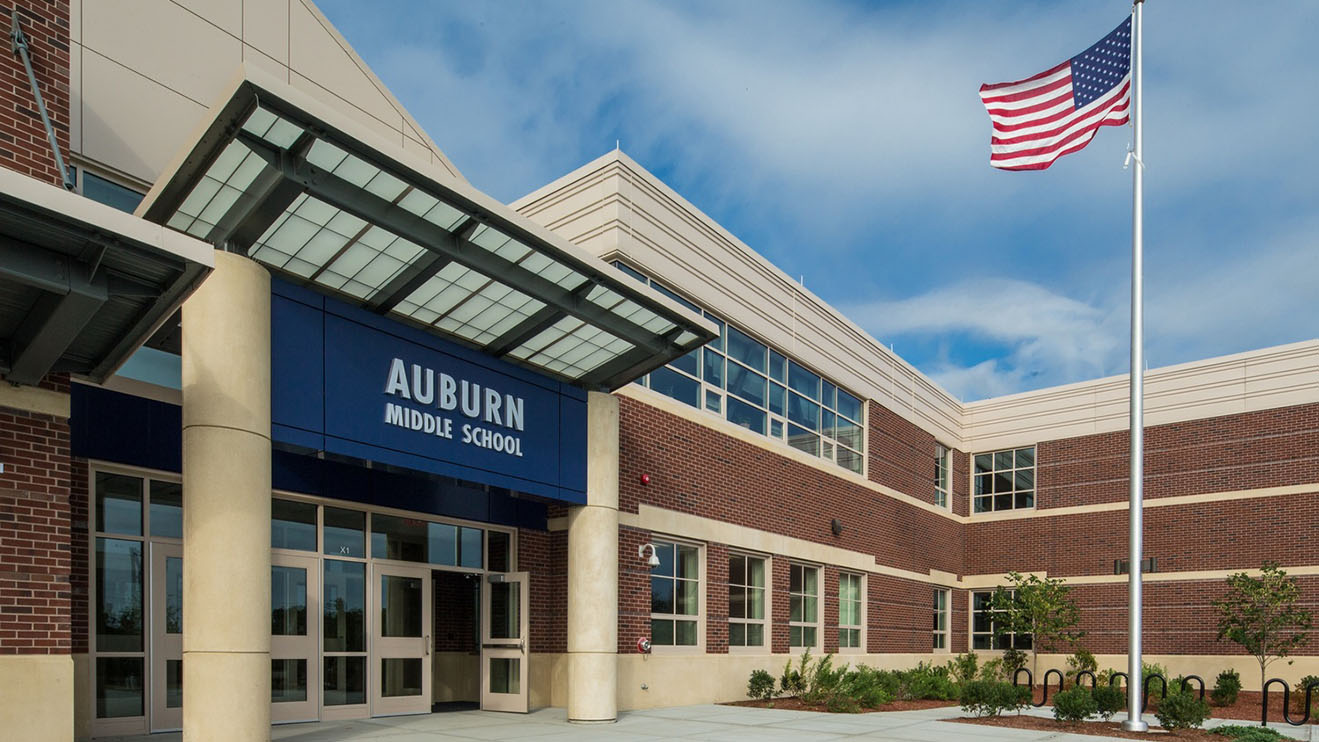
(428, 644)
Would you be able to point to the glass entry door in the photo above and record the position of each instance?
(294, 650)
(401, 672)
(505, 597)
(166, 637)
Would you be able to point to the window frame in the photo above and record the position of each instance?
(699, 646)
(817, 623)
(943, 476)
(1015, 493)
(1021, 642)
(860, 626)
(765, 622)
(941, 639)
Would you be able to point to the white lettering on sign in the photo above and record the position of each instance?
(483, 404)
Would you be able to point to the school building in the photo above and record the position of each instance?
(298, 424)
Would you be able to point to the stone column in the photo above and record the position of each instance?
(226, 505)
(593, 573)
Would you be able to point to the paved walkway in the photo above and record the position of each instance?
(684, 722)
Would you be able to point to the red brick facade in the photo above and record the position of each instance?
(35, 547)
(24, 145)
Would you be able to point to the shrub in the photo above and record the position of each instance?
(1109, 700)
(1248, 734)
(866, 686)
(1074, 705)
(926, 681)
(821, 680)
(963, 667)
(991, 698)
(992, 670)
(1226, 687)
(1156, 688)
(1013, 660)
(761, 685)
(1182, 711)
(1081, 661)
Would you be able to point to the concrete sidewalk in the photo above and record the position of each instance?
(684, 722)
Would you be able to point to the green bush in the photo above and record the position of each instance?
(1226, 687)
(992, 670)
(822, 680)
(1156, 688)
(866, 686)
(1081, 661)
(1248, 734)
(1075, 704)
(1314, 695)
(1109, 700)
(761, 685)
(991, 698)
(793, 680)
(1013, 660)
(963, 667)
(1182, 711)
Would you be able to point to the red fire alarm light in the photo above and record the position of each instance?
(645, 479)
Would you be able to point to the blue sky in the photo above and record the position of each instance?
(845, 142)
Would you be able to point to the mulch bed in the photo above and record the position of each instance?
(1096, 728)
(796, 704)
(1246, 708)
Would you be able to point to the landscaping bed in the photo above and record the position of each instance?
(1096, 728)
(1246, 707)
(796, 704)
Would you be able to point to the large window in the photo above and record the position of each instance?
(850, 616)
(982, 626)
(943, 470)
(940, 619)
(803, 606)
(1004, 480)
(675, 595)
(753, 385)
(746, 601)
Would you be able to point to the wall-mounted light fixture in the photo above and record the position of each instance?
(645, 479)
(653, 561)
(836, 526)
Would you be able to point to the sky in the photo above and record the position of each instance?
(846, 143)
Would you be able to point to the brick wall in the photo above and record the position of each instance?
(23, 143)
(455, 612)
(35, 548)
(545, 555)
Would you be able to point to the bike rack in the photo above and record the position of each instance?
(1286, 703)
(1030, 680)
(1094, 681)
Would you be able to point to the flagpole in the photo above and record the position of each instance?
(1135, 679)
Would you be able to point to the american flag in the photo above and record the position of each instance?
(1042, 118)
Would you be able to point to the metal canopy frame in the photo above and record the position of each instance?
(279, 177)
(83, 284)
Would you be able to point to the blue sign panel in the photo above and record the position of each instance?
(350, 382)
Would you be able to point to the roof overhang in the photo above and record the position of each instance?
(83, 285)
(323, 202)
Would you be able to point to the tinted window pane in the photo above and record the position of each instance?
(803, 412)
(345, 607)
(292, 525)
(166, 509)
(500, 552)
(670, 383)
(718, 342)
(777, 398)
(400, 606)
(288, 601)
(741, 413)
(803, 440)
(714, 368)
(746, 384)
(173, 684)
(827, 393)
(469, 547)
(442, 541)
(745, 350)
(403, 539)
(806, 382)
(849, 406)
(288, 681)
(118, 595)
(631, 271)
(109, 193)
(345, 532)
(118, 504)
(400, 677)
(778, 367)
(119, 684)
(661, 595)
(173, 595)
(690, 363)
(345, 681)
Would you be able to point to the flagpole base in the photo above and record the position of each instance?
(1135, 725)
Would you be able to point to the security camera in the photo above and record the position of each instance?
(653, 561)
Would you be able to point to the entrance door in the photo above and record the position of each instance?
(166, 626)
(505, 597)
(295, 612)
(401, 675)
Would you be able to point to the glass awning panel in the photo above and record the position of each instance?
(279, 177)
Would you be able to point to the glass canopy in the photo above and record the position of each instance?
(278, 177)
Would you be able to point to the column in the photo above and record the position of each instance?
(593, 573)
(226, 505)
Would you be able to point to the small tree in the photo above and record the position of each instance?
(1042, 608)
(1261, 615)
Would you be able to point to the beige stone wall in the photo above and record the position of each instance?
(38, 697)
(143, 74)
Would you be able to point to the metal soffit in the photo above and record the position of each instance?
(316, 205)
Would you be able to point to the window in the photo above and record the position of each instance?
(106, 191)
(849, 611)
(1005, 480)
(803, 606)
(746, 601)
(675, 595)
(940, 619)
(982, 625)
(943, 469)
(752, 385)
